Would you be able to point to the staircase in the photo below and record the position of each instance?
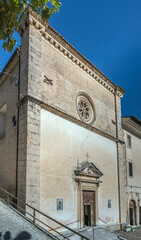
(100, 234)
(14, 227)
(19, 220)
(17, 226)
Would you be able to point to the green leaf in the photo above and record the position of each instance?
(45, 14)
(11, 10)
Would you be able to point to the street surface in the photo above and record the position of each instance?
(136, 235)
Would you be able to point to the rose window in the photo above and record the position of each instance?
(85, 108)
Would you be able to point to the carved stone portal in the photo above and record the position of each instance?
(87, 175)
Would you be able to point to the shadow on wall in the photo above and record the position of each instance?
(21, 236)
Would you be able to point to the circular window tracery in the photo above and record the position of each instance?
(85, 108)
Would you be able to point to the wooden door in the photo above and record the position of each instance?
(89, 208)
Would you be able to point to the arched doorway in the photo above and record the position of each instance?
(132, 212)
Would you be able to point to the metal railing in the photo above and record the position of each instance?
(102, 220)
(65, 231)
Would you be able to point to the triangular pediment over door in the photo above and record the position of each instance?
(87, 171)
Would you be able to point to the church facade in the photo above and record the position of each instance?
(62, 147)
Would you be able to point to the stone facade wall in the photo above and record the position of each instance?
(29, 142)
(68, 80)
(64, 145)
(3, 125)
(8, 144)
(133, 184)
(22, 152)
(133, 155)
(46, 158)
(121, 162)
(33, 155)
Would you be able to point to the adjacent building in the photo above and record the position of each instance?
(62, 147)
(132, 137)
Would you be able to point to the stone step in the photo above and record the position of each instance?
(99, 234)
(15, 227)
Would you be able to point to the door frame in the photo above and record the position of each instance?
(132, 205)
(86, 187)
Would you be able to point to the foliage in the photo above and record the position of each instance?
(10, 11)
(128, 228)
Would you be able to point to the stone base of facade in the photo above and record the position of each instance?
(112, 227)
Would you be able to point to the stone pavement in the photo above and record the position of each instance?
(136, 235)
(100, 234)
(15, 227)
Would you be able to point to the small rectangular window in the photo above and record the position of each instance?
(129, 141)
(130, 169)
(2, 121)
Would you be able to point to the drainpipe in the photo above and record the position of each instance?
(18, 52)
(118, 159)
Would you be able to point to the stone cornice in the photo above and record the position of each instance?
(130, 125)
(135, 125)
(66, 116)
(128, 121)
(119, 91)
(77, 179)
(54, 38)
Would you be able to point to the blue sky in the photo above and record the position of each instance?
(108, 33)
